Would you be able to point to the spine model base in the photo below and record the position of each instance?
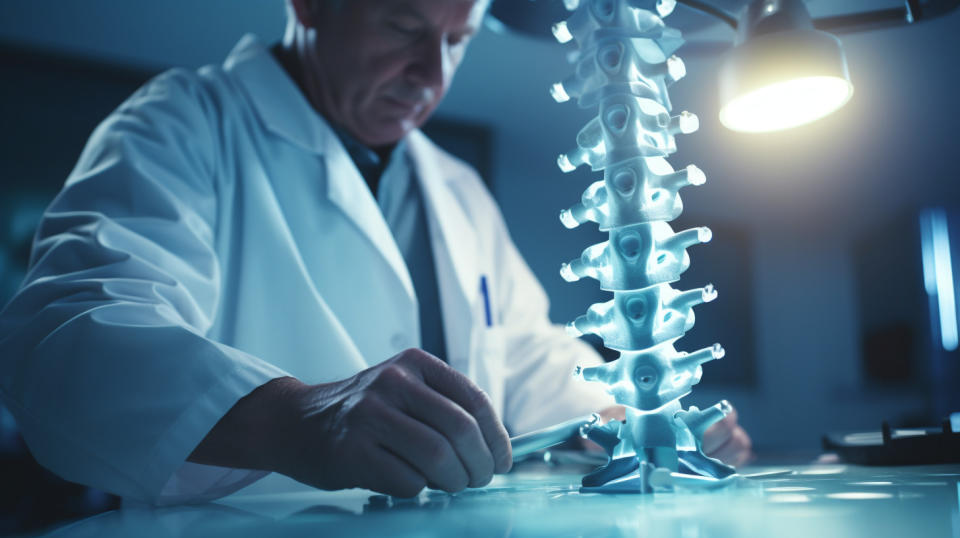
(623, 67)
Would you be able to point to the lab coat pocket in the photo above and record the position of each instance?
(486, 366)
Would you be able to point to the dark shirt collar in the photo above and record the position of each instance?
(368, 161)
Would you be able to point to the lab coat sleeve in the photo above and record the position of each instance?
(103, 356)
(540, 358)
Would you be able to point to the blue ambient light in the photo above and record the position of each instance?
(938, 273)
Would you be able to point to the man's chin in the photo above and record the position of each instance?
(388, 133)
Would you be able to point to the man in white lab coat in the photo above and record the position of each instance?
(243, 271)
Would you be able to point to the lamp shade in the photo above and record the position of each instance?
(783, 74)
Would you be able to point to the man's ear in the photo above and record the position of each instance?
(305, 11)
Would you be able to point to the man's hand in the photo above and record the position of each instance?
(728, 441)
(409, 422)
(725, 440)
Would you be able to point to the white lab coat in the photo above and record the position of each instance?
(215, 235)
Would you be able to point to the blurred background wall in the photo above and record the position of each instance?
(816, 250)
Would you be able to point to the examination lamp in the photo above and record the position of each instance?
(783, 72)
(786, 70)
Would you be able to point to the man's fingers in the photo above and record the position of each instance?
(457, 387)
(391, 475)
(614, 412)
(457, 425)
(727, 441)
(737, 450)
(428, 452)
(719, 433)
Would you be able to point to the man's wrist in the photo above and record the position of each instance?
(257, 432)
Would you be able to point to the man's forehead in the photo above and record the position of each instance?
(426, 8)
(482, 4)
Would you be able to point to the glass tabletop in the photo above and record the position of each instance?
(801, 501)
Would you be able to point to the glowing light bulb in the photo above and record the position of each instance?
(786, 104)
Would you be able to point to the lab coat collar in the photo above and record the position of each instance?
(285, 111)
(455, 234)
(278, 100)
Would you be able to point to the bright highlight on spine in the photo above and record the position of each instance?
(704, 234)
(676, 68)
(685, 123)
(786, 104)
(695, 175)
(558, 93)
(561, 32)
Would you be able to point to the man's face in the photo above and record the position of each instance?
(380, 67)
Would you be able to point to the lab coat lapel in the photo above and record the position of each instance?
(286, 112)
(347, 190)
(455, 247)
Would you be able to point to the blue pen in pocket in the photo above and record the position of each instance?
(485, 293)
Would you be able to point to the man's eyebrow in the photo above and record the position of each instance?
(406, 8)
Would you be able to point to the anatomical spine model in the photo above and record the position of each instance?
(624, 65)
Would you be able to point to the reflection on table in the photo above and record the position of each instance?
(537, 500)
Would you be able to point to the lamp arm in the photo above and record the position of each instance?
(911, 12)
(707, 9)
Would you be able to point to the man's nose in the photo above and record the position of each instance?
(430, 66)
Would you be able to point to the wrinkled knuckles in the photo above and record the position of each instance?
(478, 403)
(414, 356)
(361, 403)
(464, 427)
(393, 372)
(391, 375)
(439, 454)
